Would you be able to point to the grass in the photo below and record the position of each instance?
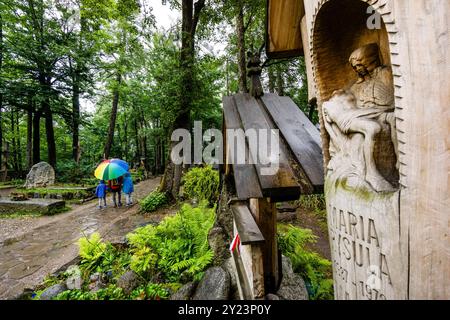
(28, 214)
(316, 205)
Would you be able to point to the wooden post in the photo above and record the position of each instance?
(264, 212)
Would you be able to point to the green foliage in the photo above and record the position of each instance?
(202, 184)
(91, 252)
(153, 201)
(315, 202)
(180, 242)
(292, 242)
(143, 260)
(71, 172)
(112, 292)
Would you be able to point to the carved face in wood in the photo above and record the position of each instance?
(365, 60)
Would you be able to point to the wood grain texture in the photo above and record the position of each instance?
(301, 135)
(414, 41)
(246, 179)
(265, 214)
(284, 182)
(247, 228)
(284, 30)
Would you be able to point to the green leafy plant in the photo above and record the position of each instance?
(153, 201)
(180, 242)
(91, 252)
(112, 292)
(293, 241)
(202, 184)
(143, 260)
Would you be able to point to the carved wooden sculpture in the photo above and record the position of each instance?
(354, 118)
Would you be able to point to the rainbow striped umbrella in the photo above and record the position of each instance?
(111, 169)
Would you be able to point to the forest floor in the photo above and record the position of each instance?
(309, 219)
(33, 247)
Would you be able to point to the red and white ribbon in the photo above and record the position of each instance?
(236, 243)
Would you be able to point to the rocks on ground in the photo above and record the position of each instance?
(292, 285)
(97, 281)
(53, 291)
(41, 175)
(215, 285)
(217, 243)
(129, 281)
(185, 292)
(74, 280)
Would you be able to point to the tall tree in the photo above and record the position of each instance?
(170, 183)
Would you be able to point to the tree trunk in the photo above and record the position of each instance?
(13, 142)
(170, 183)
(112, 121)
(50, 134)
(19, 147)
(125, 134)
(37, 137)
(136, 137)
(75, 118)
(240, 31)
(30, 135)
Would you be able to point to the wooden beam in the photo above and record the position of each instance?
(283, 28)
(301, 135)
(283, 183)
(266, 217)
(246, 226)
(246, 179)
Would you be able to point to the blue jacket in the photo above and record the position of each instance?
(127, 186)
(100, 192)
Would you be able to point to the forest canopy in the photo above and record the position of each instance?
(84, 80)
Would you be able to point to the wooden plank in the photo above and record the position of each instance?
(246, 226)
(284, 182)
(246, 179)
(301, 135)
(266, 217)
(284, 38)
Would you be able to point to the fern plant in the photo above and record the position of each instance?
(91, 251)
(202, 184)
(153, 201)
(180, 243)
(293, 241)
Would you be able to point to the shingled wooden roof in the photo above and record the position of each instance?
(301, 162)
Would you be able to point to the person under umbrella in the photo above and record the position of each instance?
(113, 171)
(128, 188)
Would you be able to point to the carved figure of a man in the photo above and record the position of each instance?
(365, 108)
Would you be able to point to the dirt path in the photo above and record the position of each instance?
(40, 246)
(309, 220)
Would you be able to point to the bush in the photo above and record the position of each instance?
(180, 243)
(316, 271)
(202, 184)
(68, 171)
(153, 201)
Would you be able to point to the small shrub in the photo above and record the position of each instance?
(180, 242)
(112, 292)
(153, 201)
(316, 271)
(91, 252)
(143, 260)
(202, 184)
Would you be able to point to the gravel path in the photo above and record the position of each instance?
(31, 248)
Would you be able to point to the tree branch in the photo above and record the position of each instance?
(198, 6)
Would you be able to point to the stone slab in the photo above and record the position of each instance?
(43, 206)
